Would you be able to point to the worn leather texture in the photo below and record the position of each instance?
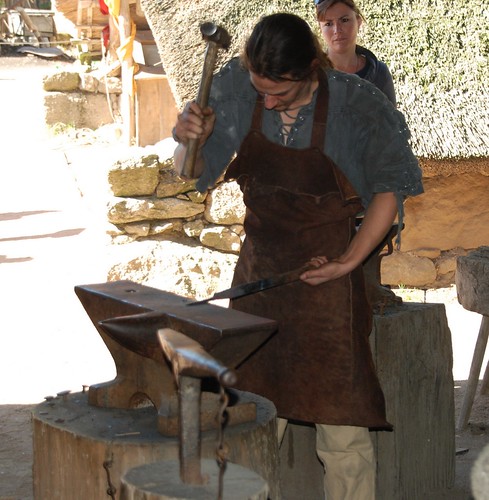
(318, 366)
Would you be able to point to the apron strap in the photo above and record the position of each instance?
(320, 113)
(257, 114)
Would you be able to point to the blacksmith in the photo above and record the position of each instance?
(315, 147)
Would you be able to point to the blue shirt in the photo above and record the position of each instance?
(366, 136)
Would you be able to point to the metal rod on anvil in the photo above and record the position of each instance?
(255, 286)
(190, 362)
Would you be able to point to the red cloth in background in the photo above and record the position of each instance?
(106, 35)
(103, 7)
(106, 31)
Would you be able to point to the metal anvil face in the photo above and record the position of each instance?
(135, 313)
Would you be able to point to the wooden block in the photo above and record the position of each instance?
(412, 350)
(472, 280)
(155, 108)
(168, 415)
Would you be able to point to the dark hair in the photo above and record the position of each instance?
(324, 5)
(283, 44)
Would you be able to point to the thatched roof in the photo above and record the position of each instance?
(438, 54)
(437, 51)
(176, 27)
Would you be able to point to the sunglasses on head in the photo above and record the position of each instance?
(317, 2)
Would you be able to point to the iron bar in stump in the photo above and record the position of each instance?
(190, 363)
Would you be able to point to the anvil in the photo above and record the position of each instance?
(128, 316)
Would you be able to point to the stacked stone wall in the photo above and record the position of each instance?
(151, 202)
(81, 99)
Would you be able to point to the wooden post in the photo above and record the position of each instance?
(485, 380)
(114, 40)
(127, 74)
(475, 370)
(155, 107)
(27, 21)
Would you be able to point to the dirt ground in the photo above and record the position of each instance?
(52, 212)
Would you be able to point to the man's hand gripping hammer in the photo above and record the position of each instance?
(216, 37)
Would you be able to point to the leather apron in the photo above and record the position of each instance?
(318, 366)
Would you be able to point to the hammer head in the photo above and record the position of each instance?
(211, 32)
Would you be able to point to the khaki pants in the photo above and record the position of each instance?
(347, 455)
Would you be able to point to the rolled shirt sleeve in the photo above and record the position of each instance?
(369, 140)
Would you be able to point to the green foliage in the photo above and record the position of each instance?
(85, 58)
(61, 129)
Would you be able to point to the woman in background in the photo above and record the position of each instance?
(340, 21)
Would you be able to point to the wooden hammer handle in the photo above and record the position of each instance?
(202, 100)
(189, 358)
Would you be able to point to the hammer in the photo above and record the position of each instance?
(190, 363)
(216, 37)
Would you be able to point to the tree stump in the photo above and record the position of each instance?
(412, 350)
(81, 451)
(160, 481)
